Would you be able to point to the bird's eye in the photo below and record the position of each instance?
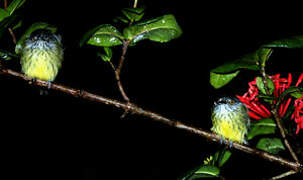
(232, 102)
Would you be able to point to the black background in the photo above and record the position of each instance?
(62, 137)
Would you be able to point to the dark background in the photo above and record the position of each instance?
(62, 137)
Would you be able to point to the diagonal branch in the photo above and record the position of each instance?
(277, 118)
(157, 117)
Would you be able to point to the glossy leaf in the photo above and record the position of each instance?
(206, 171)
(104, 35)
(32, 28)
(261, 127)
(133, 14)
(261, 86)
(249, 61)
(246, 62)
(271, 145)
(15, 4)
(162, 29)
(292, 42)
(219, 80)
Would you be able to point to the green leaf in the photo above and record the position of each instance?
(294, 91)
(206, 171)
(108, 51)
(261, 86)
(271, 145)
(6, 55)
(292, 42)
(108, 54)
(103, 57)
(161, 29)
(19, 24)
(249, 61)
(32, 28)
(261, 127)
(221, 157)
(3, 14)
(220, 80)
(122, 19)
(264, 54)
(104, 35)
(297, 94)
(133, 14)
(15, 4)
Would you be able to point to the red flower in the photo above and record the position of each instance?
(298, 114)
(258, 111)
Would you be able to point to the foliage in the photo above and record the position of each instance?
(9, 18)
(265, 92)
(267, 95)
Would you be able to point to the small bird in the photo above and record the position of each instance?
(230, 120)
(42, 55)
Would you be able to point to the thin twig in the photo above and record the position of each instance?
(121, 89)
(13, 35)
(274, 111)
(5, 4)
(124, 50)
(154, 116)
(288, 173)
(120, 65)
(125, 97)
(118, 71)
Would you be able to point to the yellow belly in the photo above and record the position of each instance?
(230, 131)
(40, 66)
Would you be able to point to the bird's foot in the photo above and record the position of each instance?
(49, 84)
(230, 144)
(221, 140)
(226, 141)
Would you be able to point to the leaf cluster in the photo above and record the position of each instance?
(160, 29)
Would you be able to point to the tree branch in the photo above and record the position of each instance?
(157, 117)
(288, 173)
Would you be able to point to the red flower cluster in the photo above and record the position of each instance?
(298, 114)
(258, 111)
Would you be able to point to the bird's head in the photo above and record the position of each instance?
(42, 39)
(227, 103)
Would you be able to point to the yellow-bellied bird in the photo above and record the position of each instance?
(230, 120)
(42, 55)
